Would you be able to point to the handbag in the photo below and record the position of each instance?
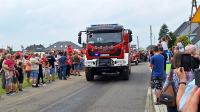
(168, 94)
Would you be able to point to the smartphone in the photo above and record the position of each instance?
(186, 62)
(197, 77)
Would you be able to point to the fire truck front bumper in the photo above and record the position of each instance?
(114, 62)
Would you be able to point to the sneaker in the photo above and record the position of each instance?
(11, 93)
(36, 86)
(157, 103)
(8, 94)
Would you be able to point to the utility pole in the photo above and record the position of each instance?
(138, 43)
(150, 35)
(194, 5)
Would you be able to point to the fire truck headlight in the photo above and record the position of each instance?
(90, 63)
(120, 62)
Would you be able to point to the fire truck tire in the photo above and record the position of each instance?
(89, 75)
(125, 74)
(136, 63)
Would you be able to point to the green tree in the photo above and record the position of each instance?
(172, 42)
(163, 31)
(184, 39)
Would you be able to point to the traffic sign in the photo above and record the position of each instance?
(196, 18)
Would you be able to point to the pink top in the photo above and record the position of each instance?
(10, 63)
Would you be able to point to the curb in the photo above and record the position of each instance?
(149, 102)
(158, 108)
(150, 107)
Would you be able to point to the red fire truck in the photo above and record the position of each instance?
(107, 50)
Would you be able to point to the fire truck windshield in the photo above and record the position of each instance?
(105, 38)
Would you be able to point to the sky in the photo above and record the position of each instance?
(27, 22)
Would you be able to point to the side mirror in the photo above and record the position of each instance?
(79, 37)
(130, 38)
(130, 35)
(79, 34)
(126, 38)
(79, 40)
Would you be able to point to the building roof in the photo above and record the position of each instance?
(35, 48)
(184, 29)
(62, 45)
(180, 29)
(197, 33)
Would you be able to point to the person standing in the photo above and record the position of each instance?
(2, 73)
(157, 76)
(51, 61)
(27, 66)
(62, 64)
(164, 44)
(68, 64)
(20, 75)
(76, 61)
(8, 67)
(40, 75)
(35, 70)
(164, 55)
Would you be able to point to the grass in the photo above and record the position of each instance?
(25, 84)
(2, 91)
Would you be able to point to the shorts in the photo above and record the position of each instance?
(76, 67)
(52, 71)
(34, 74)
(28, 73)
(21, 79)
(157, 83)
(8, 81)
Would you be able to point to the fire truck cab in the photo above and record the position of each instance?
(107, 50)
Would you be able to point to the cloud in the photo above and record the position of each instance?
(47, 21)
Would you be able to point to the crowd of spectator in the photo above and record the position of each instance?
(37, 70)
(177, 89)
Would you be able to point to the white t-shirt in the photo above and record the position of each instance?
(180, 46)
(164, 45)
(33, 62)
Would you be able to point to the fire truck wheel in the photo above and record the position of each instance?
(136, 63)
(89, 75)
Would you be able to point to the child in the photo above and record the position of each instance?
(20, 75)
(47, 71)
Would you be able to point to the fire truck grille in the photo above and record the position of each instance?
(105, 62)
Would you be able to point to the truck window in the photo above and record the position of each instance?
(105, 38)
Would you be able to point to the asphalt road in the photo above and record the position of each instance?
(105, 94)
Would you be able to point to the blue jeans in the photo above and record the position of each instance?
(34, 74)
(76, 66)
(52, 71)
(62, 73)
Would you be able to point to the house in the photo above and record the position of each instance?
(40, 49)
(62, 45)
(184, 29)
